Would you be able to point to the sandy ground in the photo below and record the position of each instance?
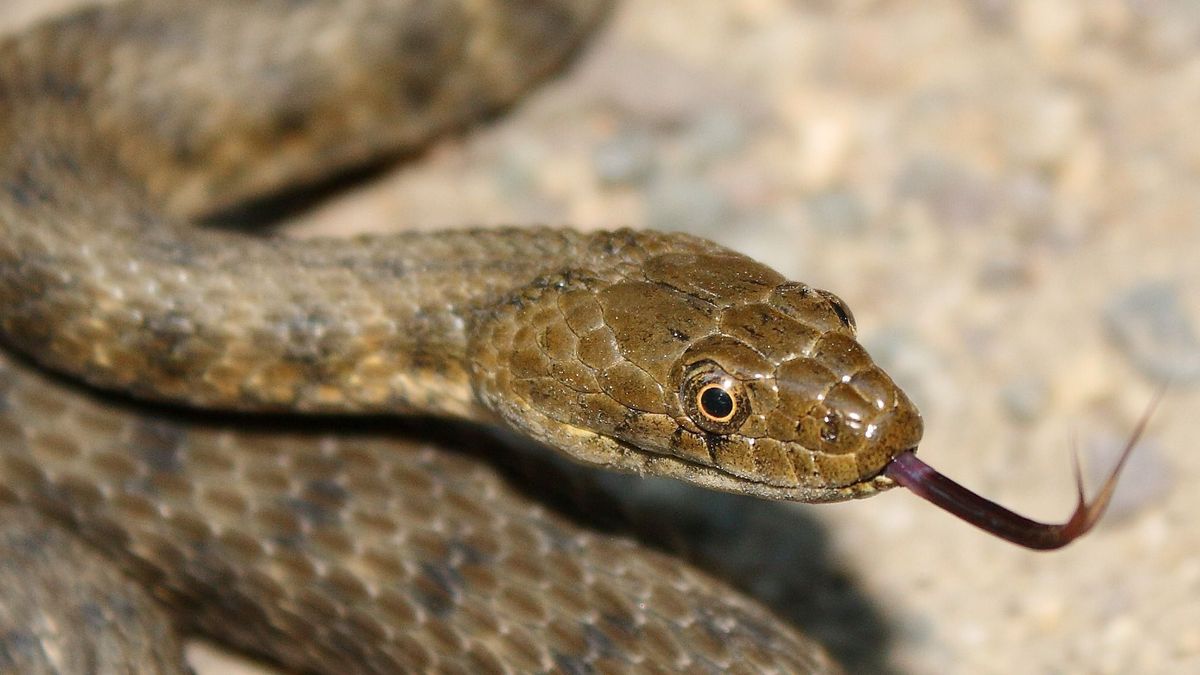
(1005, 193)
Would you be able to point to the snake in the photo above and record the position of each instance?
(225, 432)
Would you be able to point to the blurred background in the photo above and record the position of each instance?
(1006, 192)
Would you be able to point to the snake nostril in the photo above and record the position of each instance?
(830, 427)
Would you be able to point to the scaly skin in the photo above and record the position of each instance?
(381, 554)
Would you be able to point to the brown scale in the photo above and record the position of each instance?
(642, 352)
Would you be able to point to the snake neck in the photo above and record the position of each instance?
(220, 321)
(102, 278)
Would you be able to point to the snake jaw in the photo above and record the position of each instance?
(927, 483)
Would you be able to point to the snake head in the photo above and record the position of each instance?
(703, 365)
(699, 364)
(782, 394)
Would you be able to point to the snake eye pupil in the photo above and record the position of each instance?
(713, 400)
(716, 403)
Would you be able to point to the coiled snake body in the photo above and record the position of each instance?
(640, 351)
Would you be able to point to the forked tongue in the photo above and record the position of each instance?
(987, 515)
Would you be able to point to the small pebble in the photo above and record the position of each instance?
(625, 159)
(1005, 265)
(992, 15)
(954, 196)
(1151, 327)
(517, 173)
(1025, 398)
(686, 203)
(825, 145)
(1052, 29)
(713, 135)
(1031, 200)
(1050, 127)
(838, 212)
(1169, 30)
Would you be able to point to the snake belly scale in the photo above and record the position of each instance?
(640, 351)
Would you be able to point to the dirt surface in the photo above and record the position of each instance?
(1005, 192)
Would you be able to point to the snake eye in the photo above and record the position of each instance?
(713, 400)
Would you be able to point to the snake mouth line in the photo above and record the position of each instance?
(927, 483)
